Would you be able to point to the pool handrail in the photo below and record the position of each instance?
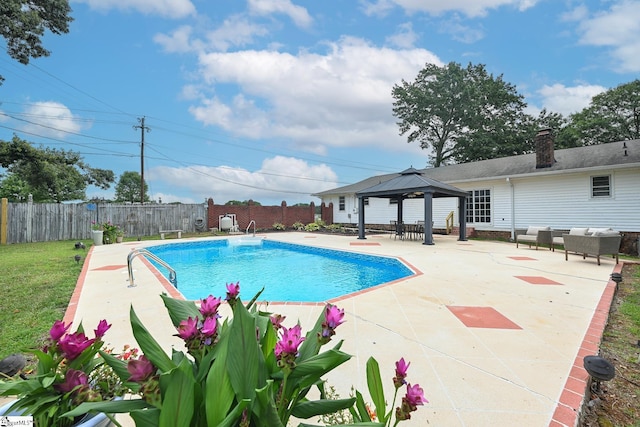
(253, 221)
(173, 277)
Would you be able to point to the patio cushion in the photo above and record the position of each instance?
(533, 231)
(606, 233)
(578, 231)
(592, 231)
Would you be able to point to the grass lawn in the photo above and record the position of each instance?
(35, 286)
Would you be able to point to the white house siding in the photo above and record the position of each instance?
(564, 201)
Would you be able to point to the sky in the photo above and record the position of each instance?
(274, 100)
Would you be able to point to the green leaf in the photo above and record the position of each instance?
(244, 359)
(314, 408)
(178, 396)
(219, 394)
(108, 406)
(310, 347)
(320, 364)
(266, 409)
(149, 346)
(234, 416)
(362, 407)
(146, 418)
(375, 388)
(180, 310)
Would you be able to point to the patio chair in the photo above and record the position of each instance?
(535, 236)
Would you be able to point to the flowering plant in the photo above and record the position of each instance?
(69, 372)
(110, 231)
(248, 370)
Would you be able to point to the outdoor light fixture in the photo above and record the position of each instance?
(77, 258)
(616, 277)
(600, 369)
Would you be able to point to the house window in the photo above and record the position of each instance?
(341, 203)
(365, 201)
(601, 186)
(479, 206)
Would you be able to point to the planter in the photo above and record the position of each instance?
(97, 237)
(89, 420)
(118, 239)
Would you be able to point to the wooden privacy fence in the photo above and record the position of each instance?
(40, 222)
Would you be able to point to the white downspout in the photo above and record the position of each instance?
(513, 210)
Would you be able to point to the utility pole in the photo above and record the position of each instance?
(142, 128)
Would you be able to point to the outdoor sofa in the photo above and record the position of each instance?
(534, 235)
(592, 241)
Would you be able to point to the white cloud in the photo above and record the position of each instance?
(298, 14)
(566, 100)
(234, 31)
(49, 118)
(404, 38)
(461, 32)
(167, 8)
(178, 41)
(278, 177)
(470, 8)
(341, 97)
(619, 29)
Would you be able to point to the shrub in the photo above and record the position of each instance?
(313, 226)
(279, 226)
(298, 226)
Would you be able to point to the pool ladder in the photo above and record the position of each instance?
(253, 221)
(173, 278)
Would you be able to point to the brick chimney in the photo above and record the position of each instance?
(544, 149)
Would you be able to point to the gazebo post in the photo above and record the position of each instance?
(462, 214)
(361, 218)
(428, 218)
(399, 228)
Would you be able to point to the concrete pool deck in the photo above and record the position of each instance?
(495, 334)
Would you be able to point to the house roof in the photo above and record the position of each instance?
(612, 154)
(411, 183)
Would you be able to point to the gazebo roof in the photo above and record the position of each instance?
(409, 184)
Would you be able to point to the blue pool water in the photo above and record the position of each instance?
(288, 272)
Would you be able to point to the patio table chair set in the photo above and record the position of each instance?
(585, 241)
(411, 231)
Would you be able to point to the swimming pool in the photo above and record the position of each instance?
(287, 271)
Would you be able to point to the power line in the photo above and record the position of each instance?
(142, 128)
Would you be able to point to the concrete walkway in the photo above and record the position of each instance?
(495, 335)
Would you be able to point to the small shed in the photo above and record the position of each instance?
(413, 184)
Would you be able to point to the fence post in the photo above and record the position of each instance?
(29, 223)
(4, 216)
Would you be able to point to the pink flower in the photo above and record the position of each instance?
(415, 395)
(188, 329)
(401, 372)
(332, 319)
(72, 345)
(209, 327)
(333, 316)
(233, 290)
(73, 379)
(209, 306)
(276, 320)
(289, 342)
(140, 369)
(101, 329)
(58, 330)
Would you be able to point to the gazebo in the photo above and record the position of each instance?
(412, 184)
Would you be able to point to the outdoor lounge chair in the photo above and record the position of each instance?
(535, 236)
(597, 243)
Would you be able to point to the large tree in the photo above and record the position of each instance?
(461, 114)
(611, 116)
(128, 188)
(23, 23)
(50, 175)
